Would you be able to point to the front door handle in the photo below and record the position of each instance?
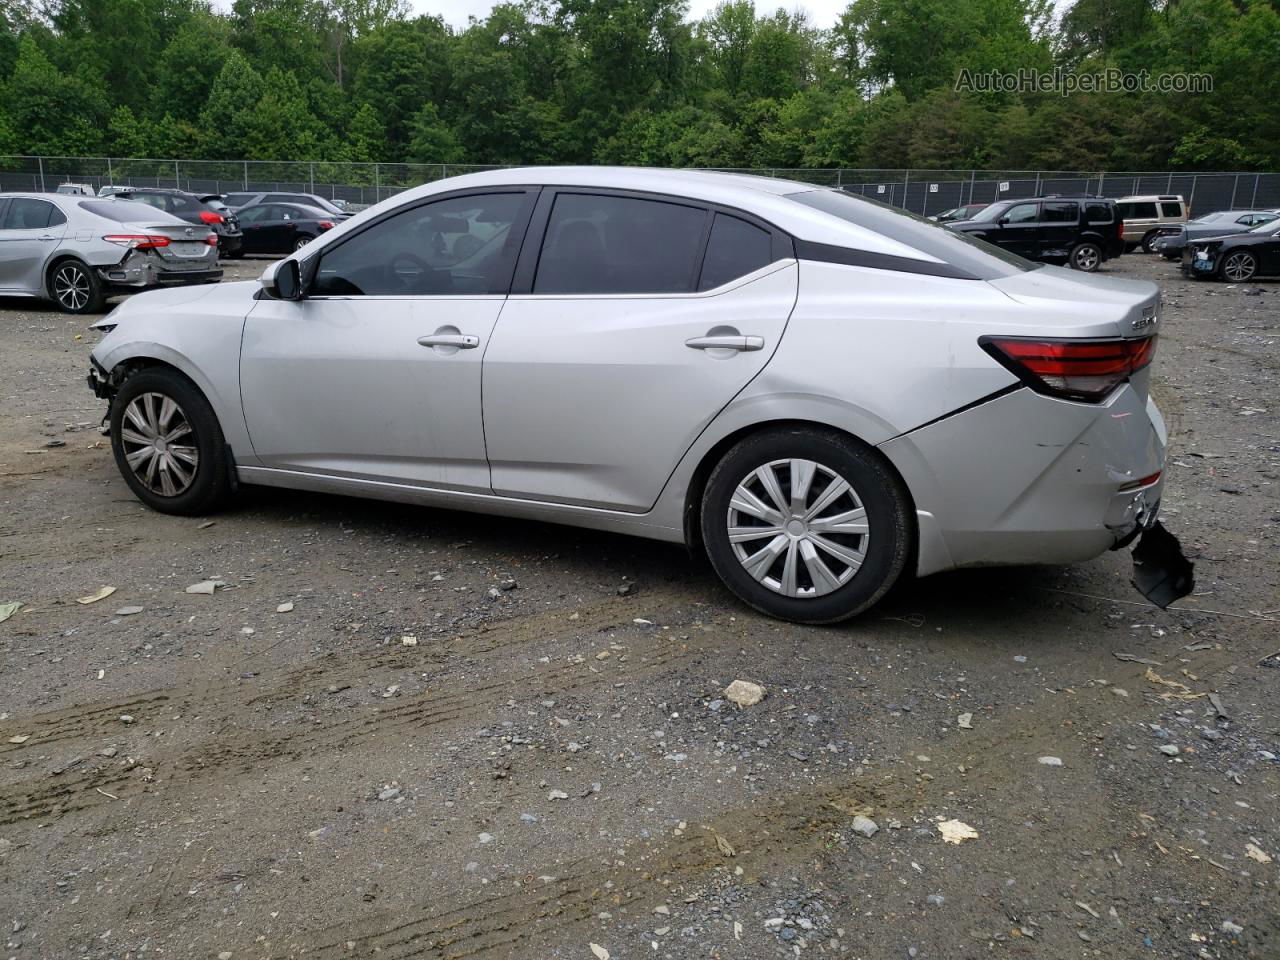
(726, 342)
(463, 341)
(48, 237)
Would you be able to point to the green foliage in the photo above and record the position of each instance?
(633, 81)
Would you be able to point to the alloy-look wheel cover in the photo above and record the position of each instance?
(158, 444)
(1086, 258)
(71, 287)
(1238, 266)
(798, 528)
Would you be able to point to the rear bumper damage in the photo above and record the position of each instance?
(141, 270)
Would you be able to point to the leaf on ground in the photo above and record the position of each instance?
(100, 594)
(7, 610)
(1176, 691)
(956, 831)
(600, 952)
(724, 846)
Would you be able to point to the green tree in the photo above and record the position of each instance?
(228, 114)
(431, 139)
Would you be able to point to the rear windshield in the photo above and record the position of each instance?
(124, 211)
(977, 258)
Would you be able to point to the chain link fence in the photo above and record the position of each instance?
(925, 192)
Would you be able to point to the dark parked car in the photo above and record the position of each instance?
(281, 227)
(1169, 241)
(1237, 258)
(206, 209)
(1081, 232)
(238, 201)
(966, 212)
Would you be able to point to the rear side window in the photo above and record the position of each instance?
(25, 214)
(239, 199)
(1138, 211)
(457, 246)
(1173, 210)
(606, 244)
(1097, 212)
(734, 249)
(181, 204)
(1061, 213)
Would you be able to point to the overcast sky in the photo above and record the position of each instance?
(822, 13)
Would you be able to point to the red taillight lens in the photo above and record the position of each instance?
(1120, 229)
(209, 217)
(211, 239)
(138, 241)
(326, 224)
(1085, 370)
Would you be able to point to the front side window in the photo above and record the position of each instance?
(1061, 212)
(1171, 210)
(1022, 213)
(27, 214)
(608, 245)
(459, 246)
(734, 249)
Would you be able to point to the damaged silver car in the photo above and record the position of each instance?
(77, 251)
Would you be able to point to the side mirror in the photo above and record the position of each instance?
(282, 280)
(1002, 221)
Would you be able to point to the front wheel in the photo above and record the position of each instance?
(167, 443)
(1086, 257)
(76, 288)
(806, 525)
(1238, 267)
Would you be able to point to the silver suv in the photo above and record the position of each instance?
(1143, 216)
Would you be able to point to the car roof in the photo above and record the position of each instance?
(764, 197)
(1153, 196)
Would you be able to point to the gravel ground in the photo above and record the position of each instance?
(551, 768)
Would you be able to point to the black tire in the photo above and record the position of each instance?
(1147, 241)
(1086, 256)
(210, 486)
(1246, 270)
(75, 288)
(887, 545)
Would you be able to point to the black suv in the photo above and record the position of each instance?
(207, 210)
(1080, 231)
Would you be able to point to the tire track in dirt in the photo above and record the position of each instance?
(244, 749)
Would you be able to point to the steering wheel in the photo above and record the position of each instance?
(408, 278)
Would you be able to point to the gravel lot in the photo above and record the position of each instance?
(552, 770)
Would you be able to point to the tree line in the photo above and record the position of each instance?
(639, 82)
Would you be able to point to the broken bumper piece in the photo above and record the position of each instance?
(1161, 572)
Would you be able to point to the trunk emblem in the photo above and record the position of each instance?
(1148, 318)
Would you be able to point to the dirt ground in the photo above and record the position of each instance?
(552, 770)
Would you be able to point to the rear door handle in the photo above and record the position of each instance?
(744, 343)
(463, 341)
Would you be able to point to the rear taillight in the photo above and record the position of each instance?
(137, 241)
(211, 239)
(326, 224)
(209, 217)
(1085, 370)
(1120, 230)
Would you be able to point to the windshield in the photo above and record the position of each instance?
(991, 212)
(977, 258)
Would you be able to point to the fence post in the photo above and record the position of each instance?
(906, 182)
(311, 168)
(177, 175)
(40, 161)
(246, 176)
(972, 176)
(1254, 201)
(1191, 200)
(1234, 188)
(1168, 187)
(377, 181)
(838, 173)
(1101, 176)
(110, 176)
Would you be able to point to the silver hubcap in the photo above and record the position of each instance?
(159, 444)
(1238, 267)
(302, 242)
(798, 527)
(71, 287)
(1086, 258)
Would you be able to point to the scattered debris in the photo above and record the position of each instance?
(965, 721)
(1051, 761)
(557, 795)
(1255, 852)
(1169, 750)
(408, 640)
(1233, 929)
(20, 738)
(285, 607)
(100, 594)
(1179, 691)
(1131, 658)
(744, 693)
(724, 846)
(206, 587)
(1218, 708)
(955, 831)
(7, 610)
(128, 611)
(600, 952)
(865, 826)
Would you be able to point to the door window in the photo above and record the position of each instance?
(606, 244)
(1171, 210)
(734, 249)
(1022, 213)
(1138, 211)
(27, 214)
(254, 214)
(1061, 213)
(150, 199)
(458, 246)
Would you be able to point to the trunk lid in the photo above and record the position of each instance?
(186, 241)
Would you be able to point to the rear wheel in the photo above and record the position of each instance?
(1238, 267)
(167, 443)
(302, 241)
(1086, 256)
(1147, 241)
(76, 288)
(806, 525)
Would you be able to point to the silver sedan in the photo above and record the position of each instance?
(819, 391)
(77, 251)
